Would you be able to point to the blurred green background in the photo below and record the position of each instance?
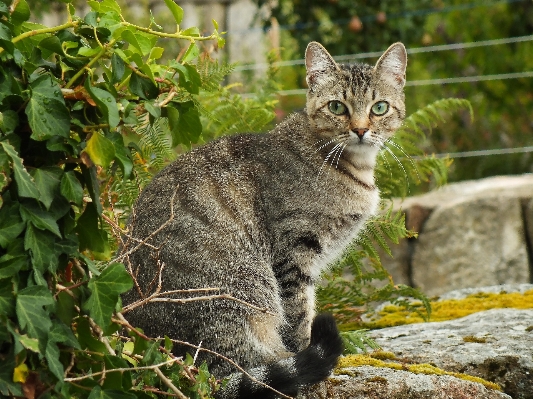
(502, 100)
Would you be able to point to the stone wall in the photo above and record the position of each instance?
(471, 234)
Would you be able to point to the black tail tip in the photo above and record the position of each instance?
(325, 337)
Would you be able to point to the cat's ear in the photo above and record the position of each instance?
(318, 63)
(391, 65)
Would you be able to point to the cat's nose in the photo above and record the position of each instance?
(360, 132)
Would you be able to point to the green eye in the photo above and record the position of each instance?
(380, 108)
(337, 107)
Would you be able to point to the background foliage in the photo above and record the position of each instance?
(89, 111)
(502, 106)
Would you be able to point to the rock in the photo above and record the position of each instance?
(494, 289)
(496, 345)
(473, 233)
(477, 241)
(368, 382)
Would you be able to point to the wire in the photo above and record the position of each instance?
(482, 153)
(416, 50)
(429, 82)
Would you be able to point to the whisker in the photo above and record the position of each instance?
(327, 158)
(340, 154)
(397, 146)
(401, 166)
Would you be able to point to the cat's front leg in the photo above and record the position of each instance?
(297, 292)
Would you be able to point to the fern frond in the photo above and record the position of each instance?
(212, 73)
(357, 341)
(403, 165)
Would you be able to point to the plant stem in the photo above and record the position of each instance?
(35, 32)
(91, 63)
(176, 35)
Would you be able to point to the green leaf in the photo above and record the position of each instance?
(47, 114)
(40, 245)
(100, 149)
(8, 388)
(106, 104)
(47, 181)
(122, 154)
(9, 120)
(131, 38)
(7, 299)
(21, 13)
(176, 10)
(105, 290)
(10, 266)
(143, 87)
(11, 224)
(184, 122)
(26, 187)
(32, 316)
(192, 31)
(118, 68)
(31, 211)
(91, 237)
(71, 188)
(52, 357)
(192, 52)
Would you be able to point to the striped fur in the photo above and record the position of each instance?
(259, 216)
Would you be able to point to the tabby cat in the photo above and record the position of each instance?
(259, 217)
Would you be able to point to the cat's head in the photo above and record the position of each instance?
(357, 106)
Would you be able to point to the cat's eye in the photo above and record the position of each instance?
(337, 107)
(380, 108)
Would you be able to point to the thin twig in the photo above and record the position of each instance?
(120, 370)
(169, 384)
(234, 364)
(153, 233)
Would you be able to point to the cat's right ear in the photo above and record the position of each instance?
(318, 64)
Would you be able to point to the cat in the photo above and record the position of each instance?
(260, 216)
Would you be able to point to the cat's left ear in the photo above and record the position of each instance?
(318, 63)
(391, 65)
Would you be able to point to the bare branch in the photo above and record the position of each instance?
(153, 233)
(169, 383)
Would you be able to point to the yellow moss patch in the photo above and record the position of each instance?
(471, 338)
(423, 368)
(449, 309)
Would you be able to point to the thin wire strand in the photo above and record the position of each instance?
(481, 153)
(416, 50)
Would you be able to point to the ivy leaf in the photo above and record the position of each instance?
(47, 181)
(47, 114)
(105, 290)
(31, 314)
(11, 224)
(21, 13)
(7, 299)
(91, 237)
(176, 10)
(184, 122)
(122, 155)
(9, 120)
(143, 87)
(31, 211)
(106, 104)
(71, 188)
(118, 67)
(40, 245)
(26, 187)
(192, 52)
(100, 149)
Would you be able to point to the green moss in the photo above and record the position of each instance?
(448, 309)
(471, 338)
(422, 368)
(530, 328)
(382, 355)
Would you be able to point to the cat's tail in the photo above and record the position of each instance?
(310, 366)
